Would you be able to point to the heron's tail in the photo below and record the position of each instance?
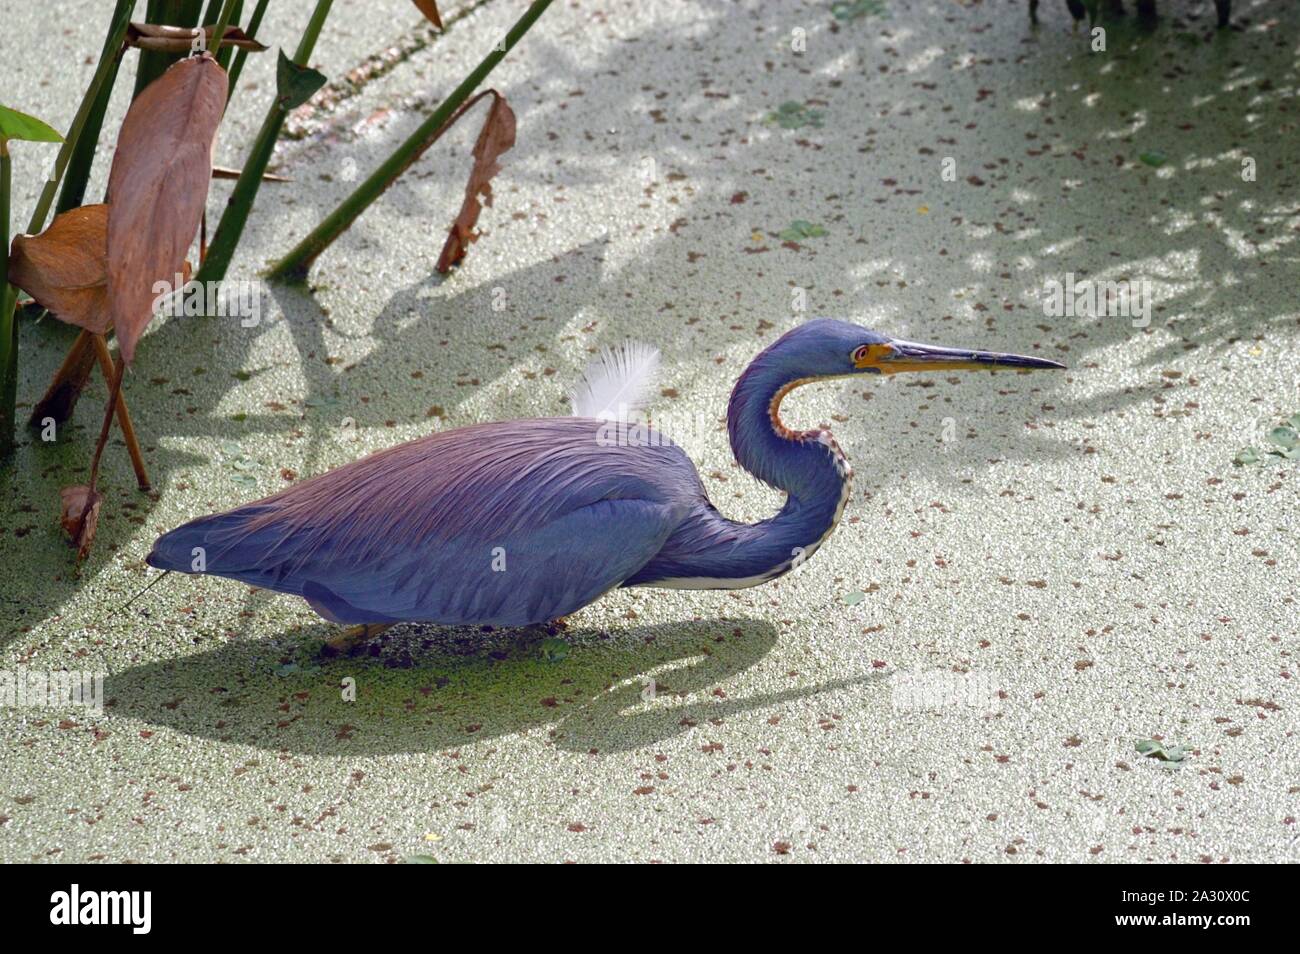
(225, 544)
(181, 549)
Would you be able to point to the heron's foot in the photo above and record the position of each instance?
(351, 639)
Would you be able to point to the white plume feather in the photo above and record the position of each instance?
(617, 382)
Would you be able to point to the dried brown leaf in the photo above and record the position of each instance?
(81, 516)
(430, 10)
(65, 267)
(224, 172)
(171, 39)
(158, 186)
(497, 136)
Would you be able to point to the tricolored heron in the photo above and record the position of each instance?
(522, 522)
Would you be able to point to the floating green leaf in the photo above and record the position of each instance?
(848, 10)
(799, 230)
(1153, 749)
(295, 84)
(1155, 159)
(16, 125)
(420, 860)
(792, 115)
(1247, 455)
(1283, 437)
(244, 467)
(1285, 441)
(554, 650)
(854, 598)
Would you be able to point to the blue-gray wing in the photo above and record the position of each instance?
(502, 524)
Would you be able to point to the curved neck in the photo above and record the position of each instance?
(708, 551)
(807, 465)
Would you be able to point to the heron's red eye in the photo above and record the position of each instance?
(860, 353)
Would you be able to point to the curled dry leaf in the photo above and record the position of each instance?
(497, 136)
(430, 10)
(81, 516)
(65, 267)
(171, 39)
(158, 187)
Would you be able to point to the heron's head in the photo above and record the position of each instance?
(828, 347)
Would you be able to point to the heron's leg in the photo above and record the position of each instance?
(348, 640)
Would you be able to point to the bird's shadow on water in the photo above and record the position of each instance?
(427, 689)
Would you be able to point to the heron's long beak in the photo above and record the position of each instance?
(909, 356)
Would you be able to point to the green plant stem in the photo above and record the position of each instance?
(8, 322)
(82, 158)
(228, 9)
(254, 23)
(153, 63)
(295, 265)
(307, 42)
(224, 59)
(240, 203)
(146, 64)
(106, 66)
